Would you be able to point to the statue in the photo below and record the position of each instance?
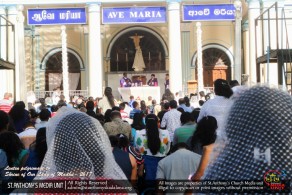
(139, 64)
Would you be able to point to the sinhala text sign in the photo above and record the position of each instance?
(208, 12)
(125, 15)
(56, 16)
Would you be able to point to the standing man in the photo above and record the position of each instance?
(125, 81)
(166, 84)
(171, 119)
(153, 81)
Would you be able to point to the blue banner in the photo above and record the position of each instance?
(56, 16)
(208, 12)
(125, 15)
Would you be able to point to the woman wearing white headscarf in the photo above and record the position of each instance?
(78, 145)
(259, 131)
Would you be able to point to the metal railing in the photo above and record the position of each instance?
(44, 94)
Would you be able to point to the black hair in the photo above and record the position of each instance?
(206, 131)
(166, 105)
(173, 104)
(33, 113)
(114, 141)
(180, 109)
(107, 115)
(187, 101)
(116, 108)
(123, 140)
(201, 102)
(61, 103)
(185, 117)
(143, 107)
(152, 133)
(41, 144)
(222, 88)
(122, 106)
(54, 108)
(4, 120)
(135, 104)
(138, 121)
(11, 144)
(89, 105)
(45, 115)
(17, 111)
(100, 118)
(195, 114)
(115, 114)
(233, 83)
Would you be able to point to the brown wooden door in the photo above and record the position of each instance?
(211, 73)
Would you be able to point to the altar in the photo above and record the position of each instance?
(142, 92)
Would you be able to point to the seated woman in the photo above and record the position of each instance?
(152, 141)
(78, 148)
(154, 144)
(124, 144)
(125, 160)
(137, 125)
(15, 152)
(37, 152)
(202, 143)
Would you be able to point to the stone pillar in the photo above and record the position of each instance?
(95, 67)
(237, 56)
(11, 15)
(246, 48)
(200, 58)
(65, 64)
(3, 37)
(16, 16)
(253, 12)
(175, 62)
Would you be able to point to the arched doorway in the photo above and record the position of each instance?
(121, 51)
(53, 70)
(217, 62)
(216, 65)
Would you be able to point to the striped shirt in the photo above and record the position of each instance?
(5, 105)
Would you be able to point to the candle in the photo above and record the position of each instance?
(117, 57)
(126, 57)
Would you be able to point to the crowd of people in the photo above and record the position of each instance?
(219, 137)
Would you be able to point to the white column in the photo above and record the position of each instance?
(253, 12)
(21, 53)
(85, 31)
(15, 16)
(200, 58)
(65, 63)
(95, 67)
(175, 62)
(7, 76)
(237, 56)
(11, 13)
(3, 38)
(246, 48)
